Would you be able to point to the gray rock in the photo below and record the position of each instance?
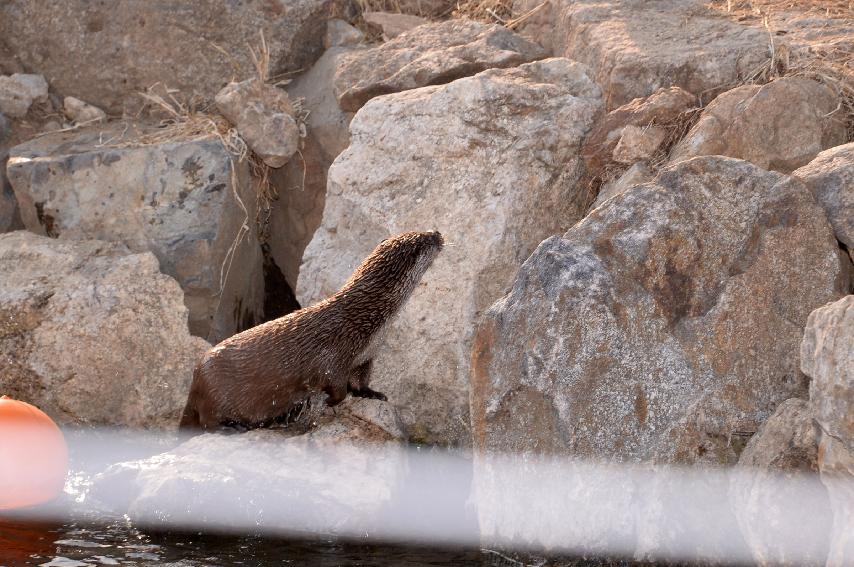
(781, 125)
(264, 117)
(827, 357)
(394, 24)
(193, 47)
(635, 48)
(429, 55)
(830, 176)
(92, 333)
(662, 325)
(340, 34)
(81, 112)
(770, 512)
(175, 199)
(509, 159)
(5, 128)
(19, 91)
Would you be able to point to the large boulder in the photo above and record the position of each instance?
(830, 176)
(663, 325)
(777, 485)
(431, 54)
(781, 125)
(180, 200)
(635, 48)
(133, 45)
(827, 356)
(92, 333)
(508, 156)
(301, 183)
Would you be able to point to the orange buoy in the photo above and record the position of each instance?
(33, 455)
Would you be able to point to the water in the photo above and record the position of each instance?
(78, 542)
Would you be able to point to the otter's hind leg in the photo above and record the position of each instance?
(358, 383)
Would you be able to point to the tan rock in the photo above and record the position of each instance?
(536, 21)
(92, 333)
(779, 126)
(428, 55)
(509, 159)
(663, 108)
(830, 176)
(264, 117)
(81, 112)
(827, 357)
(635, 48)
(661, 325)
(301, 182)
(394, 24)
(776, 485)
(176, 199)
(193, 47)
(638, 143)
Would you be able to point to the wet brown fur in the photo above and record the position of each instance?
(256, 377)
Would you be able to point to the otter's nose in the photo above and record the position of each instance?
(437, 236)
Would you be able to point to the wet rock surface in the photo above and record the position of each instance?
(779, 126)
(134, 45)
(175, 199)
(325, 478)
(92, 333)
(636, 320)
(431, 54)
(510, 154)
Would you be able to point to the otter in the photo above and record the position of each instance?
(257, 377)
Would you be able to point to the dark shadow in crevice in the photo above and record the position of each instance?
(279, 298)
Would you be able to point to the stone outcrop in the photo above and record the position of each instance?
(133, 45)
(176, 199)
(781, 125)
(830, 176)
(261, 477)
(92, 333)
(429, 55)
(777, 478)
(503, 178)
(19, 91)
(635, 48)
(662, 325)
(301, 182)
(264, 117)
(10, 216)
(827, 357)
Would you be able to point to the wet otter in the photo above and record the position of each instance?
(255, 377)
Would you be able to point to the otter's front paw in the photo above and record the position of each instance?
(366, 392)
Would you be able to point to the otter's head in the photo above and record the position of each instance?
(395, 267)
